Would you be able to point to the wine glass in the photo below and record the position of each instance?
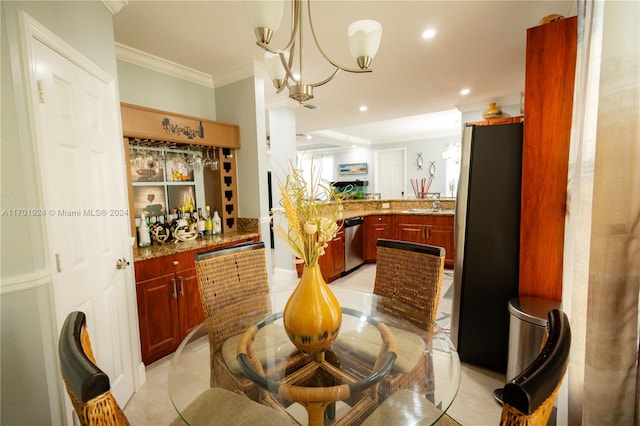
(135, 155)
(207, 162)
(197, 160)
(214, 162)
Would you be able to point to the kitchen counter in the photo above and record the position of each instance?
(204, 243)
(355, 213)
(353, 208)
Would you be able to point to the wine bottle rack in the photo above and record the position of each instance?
(216, 188)
(227, 198)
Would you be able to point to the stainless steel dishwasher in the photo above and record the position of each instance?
(353, 243)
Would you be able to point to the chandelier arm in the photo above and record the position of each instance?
(328, 79)
(315, 39)
(286, 84)
(287, 67)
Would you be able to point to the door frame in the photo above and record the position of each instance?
(31, 31)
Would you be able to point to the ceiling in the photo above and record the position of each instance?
(414, 89)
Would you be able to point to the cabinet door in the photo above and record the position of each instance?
(337, 254)
(442, 236)
(158, 317)
(374, 227)
(189, 301)
(413, 233)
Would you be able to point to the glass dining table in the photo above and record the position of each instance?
(382, 369)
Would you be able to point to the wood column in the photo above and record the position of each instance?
(548, 107)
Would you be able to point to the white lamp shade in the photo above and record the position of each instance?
(274, 66)
(364, 38)
(265, 14)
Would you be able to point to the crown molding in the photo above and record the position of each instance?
(231, 76)
(155, 63)
(114, 6)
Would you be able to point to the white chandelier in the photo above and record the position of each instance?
(265, 16)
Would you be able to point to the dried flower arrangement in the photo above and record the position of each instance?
(310, 210)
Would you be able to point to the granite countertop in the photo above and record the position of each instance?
(354, 213)
(352, 208)
(204, 243)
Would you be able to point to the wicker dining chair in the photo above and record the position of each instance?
(87, 385)
(529, 397)
(227, 276)
(89, 390)
(409, 276)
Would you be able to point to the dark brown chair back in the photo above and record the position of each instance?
(87, 385)
(529, 397)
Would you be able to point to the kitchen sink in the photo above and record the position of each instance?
(427, 211)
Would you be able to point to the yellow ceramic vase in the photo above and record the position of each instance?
(492, 112)
(312, 315)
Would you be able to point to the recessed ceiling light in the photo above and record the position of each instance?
(465, 92)
(363, 108)
(353, 146)
(308, 137)
(429, 33)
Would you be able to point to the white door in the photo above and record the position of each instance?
(82, 173)
(390, 175)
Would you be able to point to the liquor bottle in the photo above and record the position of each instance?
(167, 226)
(208, 224)
(217, 223)
(144, 238)
(201, 227)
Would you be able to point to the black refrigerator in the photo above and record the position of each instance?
(487, 243)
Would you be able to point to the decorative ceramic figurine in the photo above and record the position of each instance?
(550, 18)
(186, 232)
(160, 234)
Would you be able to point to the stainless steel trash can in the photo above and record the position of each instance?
(527, 327)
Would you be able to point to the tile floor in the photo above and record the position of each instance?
(474, 405)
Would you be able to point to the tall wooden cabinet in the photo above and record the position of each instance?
(548, 107)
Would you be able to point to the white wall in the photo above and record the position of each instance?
(431, 150)
(238, 103)
(142, 86)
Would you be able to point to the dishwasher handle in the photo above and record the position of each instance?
(358, 220)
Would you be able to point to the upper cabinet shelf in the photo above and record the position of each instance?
(148, 123)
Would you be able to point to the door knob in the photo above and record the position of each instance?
(122, 263)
